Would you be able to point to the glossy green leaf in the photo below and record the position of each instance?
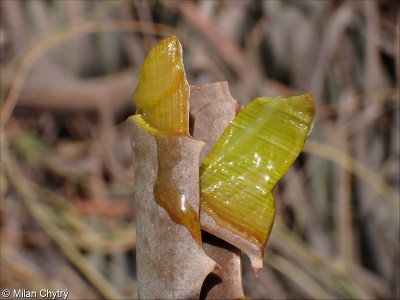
(162, 101)
(162, 94)
(253, 153)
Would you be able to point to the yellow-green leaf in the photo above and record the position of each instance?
(253, 153)
(162, 94)
(162, 101)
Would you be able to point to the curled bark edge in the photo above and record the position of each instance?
(170, 263)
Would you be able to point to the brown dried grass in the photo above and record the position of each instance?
(68, 69)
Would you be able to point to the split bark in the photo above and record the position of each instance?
(170, 261)
(213, 107)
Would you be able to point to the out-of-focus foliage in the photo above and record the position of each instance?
(68, 71)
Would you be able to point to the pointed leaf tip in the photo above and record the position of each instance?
(256, 271)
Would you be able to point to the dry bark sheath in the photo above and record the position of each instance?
(237, 207)
(213, 107)
(170, 263)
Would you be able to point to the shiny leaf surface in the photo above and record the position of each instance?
(253, 153)
(162, 94)
(162, 100)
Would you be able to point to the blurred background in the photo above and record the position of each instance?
(68, 71)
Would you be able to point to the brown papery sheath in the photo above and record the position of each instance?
(170, 262)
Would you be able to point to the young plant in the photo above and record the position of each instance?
(219, 181)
